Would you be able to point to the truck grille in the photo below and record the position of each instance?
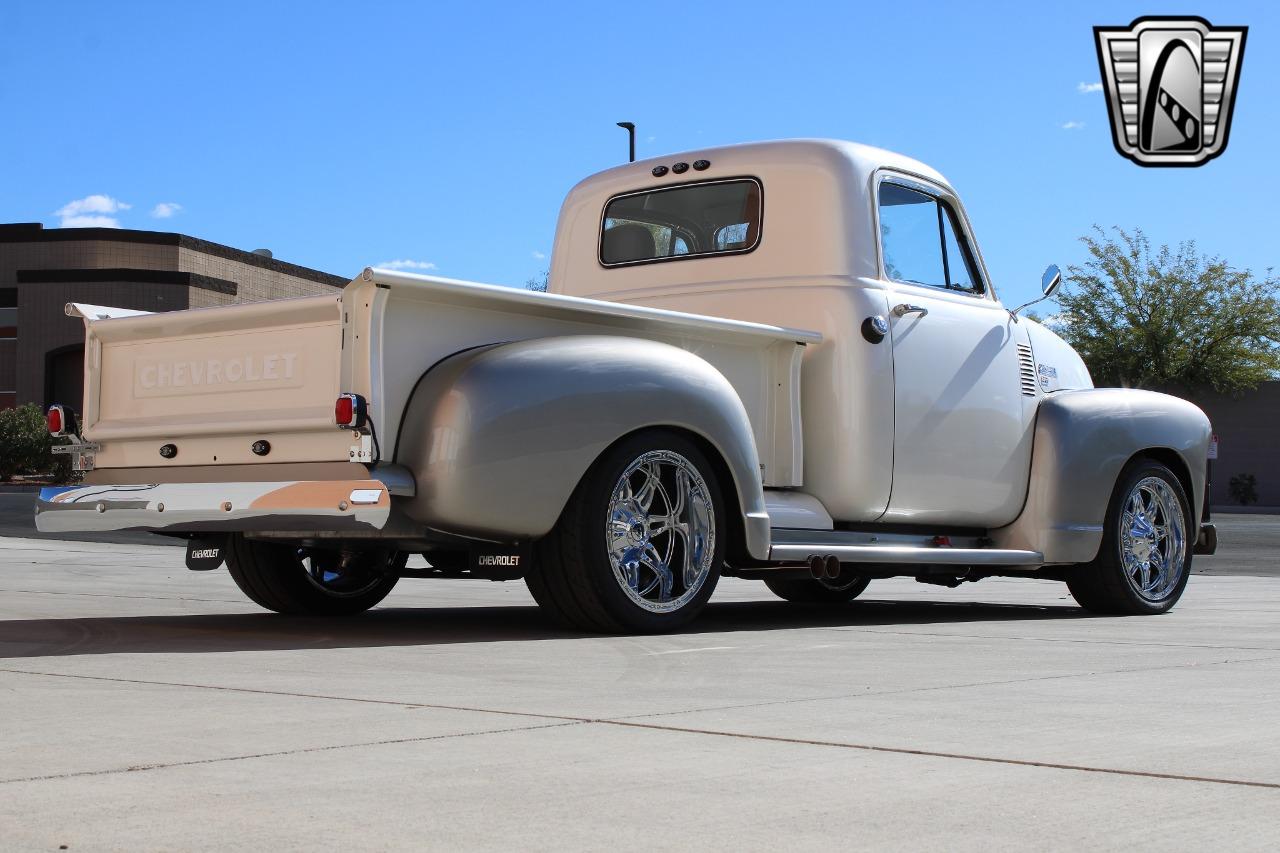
(1027, 369)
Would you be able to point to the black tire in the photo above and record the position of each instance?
(1111, 585)
(312, 582)
(843, 589)
(574, 578)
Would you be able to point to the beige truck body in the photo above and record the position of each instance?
(489, 404)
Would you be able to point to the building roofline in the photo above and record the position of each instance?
(35, 232)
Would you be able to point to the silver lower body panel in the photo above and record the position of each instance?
(894, 549)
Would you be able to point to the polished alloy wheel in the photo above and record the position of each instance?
(1153, 538)
(660, 531)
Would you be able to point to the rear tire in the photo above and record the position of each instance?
(1147, 541)
(312, 581)
(640, 543)
(843, 589)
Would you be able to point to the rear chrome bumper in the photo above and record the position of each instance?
(300, 505)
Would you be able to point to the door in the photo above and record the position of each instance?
(962, 427)
(64, 376)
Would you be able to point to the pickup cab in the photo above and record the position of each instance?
(783, 361)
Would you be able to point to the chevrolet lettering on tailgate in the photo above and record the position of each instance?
(158, 377)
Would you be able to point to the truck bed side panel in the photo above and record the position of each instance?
(403, 324)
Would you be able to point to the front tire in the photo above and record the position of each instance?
(640, 544)
(312, 581)
(1145, 559)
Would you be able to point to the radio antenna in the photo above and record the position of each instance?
(631, 138)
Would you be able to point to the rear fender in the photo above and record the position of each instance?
(499, 437)
(1083, 439)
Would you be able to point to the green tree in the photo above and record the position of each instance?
(1169, 319)
(538, 283)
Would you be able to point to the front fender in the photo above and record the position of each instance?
(1082, 441)
(499, 437)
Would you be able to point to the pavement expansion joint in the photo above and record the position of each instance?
(934, 687)
(958, 756)
(138, 768)
(560, 721)
(293, 694)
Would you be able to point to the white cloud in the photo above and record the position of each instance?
(92, 211)
(89, 222)
(1073, 125)
(1088, 88)
(538, 256)
(165, 209)
(406, 264)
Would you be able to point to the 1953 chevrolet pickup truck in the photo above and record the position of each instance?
(783, 361)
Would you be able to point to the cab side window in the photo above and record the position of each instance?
(920, 242)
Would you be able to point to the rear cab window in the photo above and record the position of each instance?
(687, 221)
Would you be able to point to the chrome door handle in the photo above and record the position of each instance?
(904, 308)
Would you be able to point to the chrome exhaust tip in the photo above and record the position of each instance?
(831, 566)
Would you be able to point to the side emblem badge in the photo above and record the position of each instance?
(1048, 377)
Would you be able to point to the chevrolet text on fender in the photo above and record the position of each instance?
(783, 361)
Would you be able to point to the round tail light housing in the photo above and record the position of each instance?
(56, 418)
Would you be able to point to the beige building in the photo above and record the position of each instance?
(42, 349)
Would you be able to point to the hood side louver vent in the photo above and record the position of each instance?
(1027, 369)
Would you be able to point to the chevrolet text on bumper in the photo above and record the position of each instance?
(746, 369)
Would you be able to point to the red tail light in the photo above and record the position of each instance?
(57, 419)
(350, 411)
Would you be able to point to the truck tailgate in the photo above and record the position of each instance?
(213, 381)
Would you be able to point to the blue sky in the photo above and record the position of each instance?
(342, 134)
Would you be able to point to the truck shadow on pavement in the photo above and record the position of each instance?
(393, 627)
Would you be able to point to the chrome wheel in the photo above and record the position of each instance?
(660, 531)
(348, 573)
(1153, 539)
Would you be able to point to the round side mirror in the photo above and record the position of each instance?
(1051, 280)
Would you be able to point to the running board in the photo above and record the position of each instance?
(797, 546)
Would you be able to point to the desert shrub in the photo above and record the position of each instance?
(1243, 489)
(25, 443)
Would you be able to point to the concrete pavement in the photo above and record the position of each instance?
(146, 707)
